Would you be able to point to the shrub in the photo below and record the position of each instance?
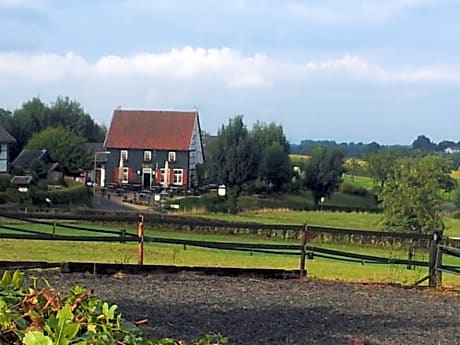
(347, 188)
(38, 315)
(4, 181)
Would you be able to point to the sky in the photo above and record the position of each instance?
(350, 71)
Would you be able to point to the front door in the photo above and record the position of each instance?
(147, 178)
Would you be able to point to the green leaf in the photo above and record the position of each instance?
(17, 280)
(71, 330)
(37, 338)
(6, 279)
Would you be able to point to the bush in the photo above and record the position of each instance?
(4, 181)
(347, 188)
(39, 315)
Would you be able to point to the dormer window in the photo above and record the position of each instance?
(124, 155)
(171, 156)
(147, 156)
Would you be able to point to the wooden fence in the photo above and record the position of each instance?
(304, 249)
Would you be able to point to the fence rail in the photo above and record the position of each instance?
(434, 263)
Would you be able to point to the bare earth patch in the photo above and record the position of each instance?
(265, 311)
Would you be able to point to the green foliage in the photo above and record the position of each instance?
(4, 181)
(64, 146)
(348, 188)
(323, 172)
(411, 197)
(34, 116)
(380, 165)
(38, 315)
(275, 167)
(240, 158)
(230, 159)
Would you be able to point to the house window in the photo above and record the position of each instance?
(147, 156)
(124, 176)
(178, 177)
(172, 156)
(162, 176)
(124, 155)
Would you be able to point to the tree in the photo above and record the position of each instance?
(411, 197)
(230, 159)
(323, 172)
(270, 151)
(423, 144)
(275, 167)
(380, 164)
(66, 147)
(70, 114)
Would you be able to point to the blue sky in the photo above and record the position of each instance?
(356, 70)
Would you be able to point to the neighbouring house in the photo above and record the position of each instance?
(28, 160)
(154, 148)
(6, 139)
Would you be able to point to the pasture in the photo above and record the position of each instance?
(169, 254)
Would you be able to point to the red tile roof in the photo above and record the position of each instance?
(146, 129)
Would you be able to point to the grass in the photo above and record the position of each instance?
(360, 181)
(60, 251)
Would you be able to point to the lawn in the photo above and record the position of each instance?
(59, 251)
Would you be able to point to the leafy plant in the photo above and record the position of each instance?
(38, 315)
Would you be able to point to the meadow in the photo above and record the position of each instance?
(318, 268)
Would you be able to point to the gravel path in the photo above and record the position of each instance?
(263, 311)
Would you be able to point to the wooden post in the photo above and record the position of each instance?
(410, 255)
(140, 240)
(434, 257)
(303, 242)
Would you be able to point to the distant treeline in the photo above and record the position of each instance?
(421, 144)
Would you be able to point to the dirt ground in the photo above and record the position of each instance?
(270, 311)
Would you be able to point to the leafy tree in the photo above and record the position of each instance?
(323, 172)
(231, 159)
(268, 140)
(66, 147)
(30, 118)
(423, 144)
(380, 164)
(411, 197)
(70, 114)
(275, 167)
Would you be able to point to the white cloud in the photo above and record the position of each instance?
(225, 67)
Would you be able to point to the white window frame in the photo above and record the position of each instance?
(124, 155)
(178, 177)
(171, 156)
(147, 156)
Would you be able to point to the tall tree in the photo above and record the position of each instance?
(411, 197)
(231, 158)
(66, 147)
(380, 164)
(267, 140)
(275, 167)
(68, 113)
(323, 172)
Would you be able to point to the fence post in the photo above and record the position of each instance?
(303, 242)
(140, 240)
(434, 257)
(410, 255)
(122, 235)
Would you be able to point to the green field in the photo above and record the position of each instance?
(60, 251)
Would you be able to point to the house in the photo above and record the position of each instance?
(6, 139)
(154, 148)
(28, 160)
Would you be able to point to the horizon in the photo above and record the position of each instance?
(380, 70)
